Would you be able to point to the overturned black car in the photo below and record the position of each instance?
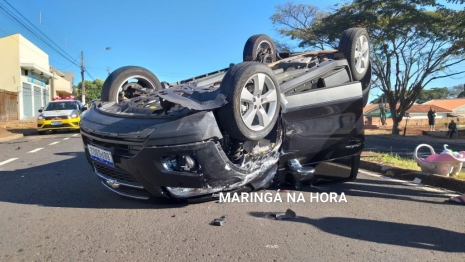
(275, 118)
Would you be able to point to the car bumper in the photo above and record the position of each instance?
(142, 167)
(71, 123)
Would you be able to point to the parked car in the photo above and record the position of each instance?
(60, 115)
(275, 118)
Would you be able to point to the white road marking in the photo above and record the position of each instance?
(66, 138)
(7, 161)
(409, 183)
(54, 143)
(35, 150)
(75, 135)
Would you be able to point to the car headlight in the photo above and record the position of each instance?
(40, 117)
(73, 115)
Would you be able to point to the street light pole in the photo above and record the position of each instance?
(83, 88)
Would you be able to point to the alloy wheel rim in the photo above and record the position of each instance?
(361, 54)
(258, 101)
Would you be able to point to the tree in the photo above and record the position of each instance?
(93, 89)
(433, 93)
(410, 45)
(456, 91)
(380, 99)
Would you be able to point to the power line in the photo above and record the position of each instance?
(38, 29)
(69, 64)
(18, 20)
(8, 34)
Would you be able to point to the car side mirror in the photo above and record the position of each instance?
(40, 110)
(84, 108)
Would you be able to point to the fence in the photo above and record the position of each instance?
(439, 122)
(8, 105)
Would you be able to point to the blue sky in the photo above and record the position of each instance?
(175, 39)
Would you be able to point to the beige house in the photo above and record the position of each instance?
(62, 83)
(27, 82)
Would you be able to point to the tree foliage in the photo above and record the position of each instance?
(455, 91)
(433, 93)
(413, 42)
(93, 89)
(430, 94)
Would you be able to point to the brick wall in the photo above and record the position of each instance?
(440, 123)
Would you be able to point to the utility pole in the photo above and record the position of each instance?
(108, 70)
(83, 89)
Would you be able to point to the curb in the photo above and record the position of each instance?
(11, 137)
(409, 175)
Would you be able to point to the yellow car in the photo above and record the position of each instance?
(60, 115)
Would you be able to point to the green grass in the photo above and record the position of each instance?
(390, 159)
(395, 160)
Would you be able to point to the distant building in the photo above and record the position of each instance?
(418, 115)
(455, 105)
(27, 81)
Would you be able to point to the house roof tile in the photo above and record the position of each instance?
(425, 108)
(449, 104)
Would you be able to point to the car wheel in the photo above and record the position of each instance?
(41, 132)
(355, 45)
(259, 48)
(127, 82)
(253, 97)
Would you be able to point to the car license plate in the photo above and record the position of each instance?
(56, 123)
(100, 155)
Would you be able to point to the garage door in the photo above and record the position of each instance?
(27, 100)
(37, 100)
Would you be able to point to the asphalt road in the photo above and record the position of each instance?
(53, 208)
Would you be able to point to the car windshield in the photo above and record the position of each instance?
(69, 105)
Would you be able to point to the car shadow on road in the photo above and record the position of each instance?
(379, 189)
(382, 232)
(65, 183)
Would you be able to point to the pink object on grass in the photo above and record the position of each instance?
(448, 163)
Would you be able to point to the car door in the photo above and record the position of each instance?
(323, 124)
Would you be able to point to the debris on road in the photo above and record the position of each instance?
(218, 221)
(272, 246)
(458, 199)
(280, 216)
(18, 148)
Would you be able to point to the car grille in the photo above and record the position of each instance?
(60, 126)
(117, 174)
(56, 117)
(120, 149)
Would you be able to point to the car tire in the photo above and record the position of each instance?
(120, 77)
(248, 104)
(259, 48)
(355, 45)
(41, 132)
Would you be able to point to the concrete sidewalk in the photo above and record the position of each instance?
(10, 130)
